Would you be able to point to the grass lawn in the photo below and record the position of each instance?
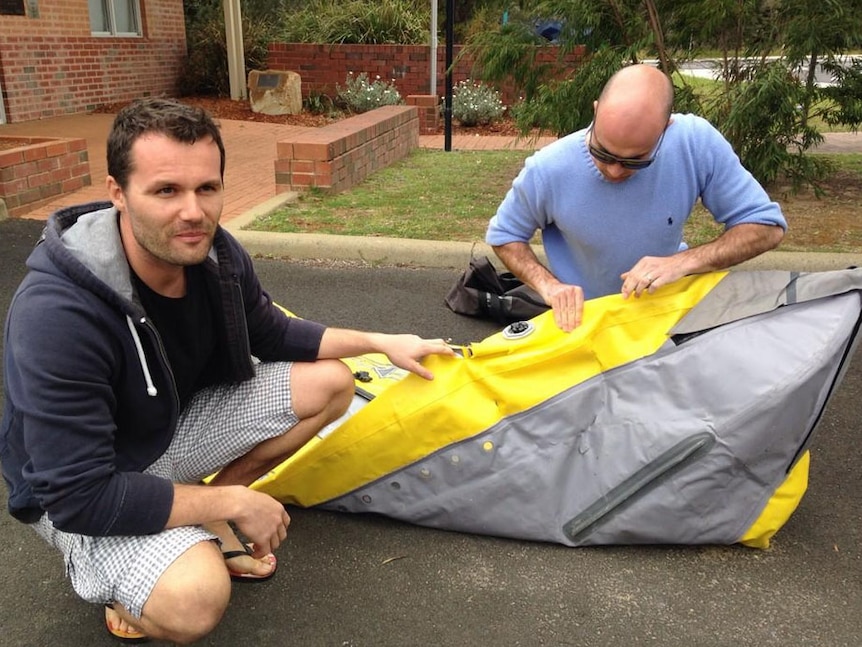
(438, 195)
(430, 195)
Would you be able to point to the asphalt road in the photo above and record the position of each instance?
(356, 581)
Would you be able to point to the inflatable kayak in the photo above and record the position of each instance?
(681, 417)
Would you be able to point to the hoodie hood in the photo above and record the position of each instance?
(85, 245)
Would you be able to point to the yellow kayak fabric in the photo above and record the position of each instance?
(644, 425)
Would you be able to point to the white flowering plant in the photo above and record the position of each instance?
(361, 95)
(474, 104)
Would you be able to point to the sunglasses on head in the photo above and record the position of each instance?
(631, 163)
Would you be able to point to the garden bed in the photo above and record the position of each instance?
(240, 110)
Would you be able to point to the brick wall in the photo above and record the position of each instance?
(429, 112)
(35, 170)
(340, 155)
(50, 65)
(324, 67)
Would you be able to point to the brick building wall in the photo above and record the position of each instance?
(323, 68)
(51, 65)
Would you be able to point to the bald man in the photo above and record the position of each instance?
(611, 201)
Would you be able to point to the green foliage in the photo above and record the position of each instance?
(361, 95)
(846, 95)
(762, 120)
(474, 103)
(318, 103)
(563, 107)
(367, 22)
(508, 55)
(766, 105)
(206, 70)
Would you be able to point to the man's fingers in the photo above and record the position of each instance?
(638, 282)
(568, 305)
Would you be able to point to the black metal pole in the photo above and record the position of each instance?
(447, 102)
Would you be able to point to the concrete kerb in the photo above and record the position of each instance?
(445, 254)
(366, 249)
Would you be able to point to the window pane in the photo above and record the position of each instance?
(98, 16)
(126, 16)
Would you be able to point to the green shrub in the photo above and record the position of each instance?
(362, 95)
(318, 103)
(474, 104)
(363, 22)
(206, 69)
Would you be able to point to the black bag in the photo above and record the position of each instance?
(481, 291)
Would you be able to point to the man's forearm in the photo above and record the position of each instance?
(734, 246)
(201, 504)
(522, 261)
(342, 342)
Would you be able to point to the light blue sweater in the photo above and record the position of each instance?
(594, 230)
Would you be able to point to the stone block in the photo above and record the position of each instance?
(275, 92)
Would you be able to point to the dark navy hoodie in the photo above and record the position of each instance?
(90, 400)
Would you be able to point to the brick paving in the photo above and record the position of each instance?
(250, 146)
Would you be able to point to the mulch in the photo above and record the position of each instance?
(240, 110)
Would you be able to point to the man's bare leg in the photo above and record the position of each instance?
(321, 392)
(188, 600)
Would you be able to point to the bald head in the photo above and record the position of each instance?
(633, 108)
(639, 89)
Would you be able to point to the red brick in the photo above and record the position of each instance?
(73, 184)
(30, 195)
(36, 180)
(48, 164)
(282, 166)
(11, 158)
(311, 151)
(284, 149)
(50, 190)
(35, 152)
(60, 174)
(302, 179)
(57, 149)
(81, 169)
(305, 166)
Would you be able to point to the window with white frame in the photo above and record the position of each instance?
(115, 17)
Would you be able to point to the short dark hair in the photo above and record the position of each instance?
(177, 120)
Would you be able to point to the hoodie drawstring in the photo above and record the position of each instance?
(151, 388)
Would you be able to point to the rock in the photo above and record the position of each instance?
(275, 92)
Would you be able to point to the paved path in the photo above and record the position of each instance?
(250, 176)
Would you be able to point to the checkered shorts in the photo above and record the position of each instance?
(219, 425)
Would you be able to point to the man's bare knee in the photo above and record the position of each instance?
(198, 619)
(338, 376)
(322, 387)
(190, 598)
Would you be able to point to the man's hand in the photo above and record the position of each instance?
(405, 351)
(567, 303)
(652, 272)
(260, 517)
(263, 520)
(734, 246)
